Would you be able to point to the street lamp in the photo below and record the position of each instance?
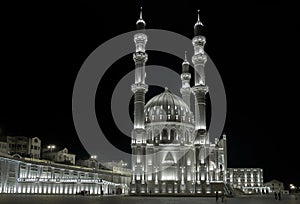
(93, 156)
(292, 187)
(51, 147)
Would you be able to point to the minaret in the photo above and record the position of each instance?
(139, 88)
(200, 89)
(185, 78)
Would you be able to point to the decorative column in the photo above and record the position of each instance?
(139, 88)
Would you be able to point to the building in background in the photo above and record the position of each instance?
(3, 147)
(91, 162)
(59, 156)
(249, 180)
(23, 146)
(118, 167)
(275, 186)
(111, 164)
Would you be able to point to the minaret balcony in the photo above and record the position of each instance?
(185, 76)
(139, 87)
(140, 57)
(199, 41)
(200, 88)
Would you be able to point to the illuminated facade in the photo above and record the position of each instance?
(171, 149)
(249, 180)
(32, 176)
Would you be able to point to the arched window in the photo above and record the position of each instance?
(156, 135)
(164, 134)
(172, 135)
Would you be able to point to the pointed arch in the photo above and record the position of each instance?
(164, 134)
(173, 134)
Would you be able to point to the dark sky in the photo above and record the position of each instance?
(254, 46)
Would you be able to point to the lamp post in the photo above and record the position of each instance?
(51, 147)
(93, 156)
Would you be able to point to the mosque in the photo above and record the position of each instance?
(171, 148)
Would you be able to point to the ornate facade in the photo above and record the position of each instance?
(34, 176)
(171, 148)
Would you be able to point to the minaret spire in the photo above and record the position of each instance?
(141, 13)
(140, 24)
(198, 25)
(185, 64)
(185, 79)
(199, 21)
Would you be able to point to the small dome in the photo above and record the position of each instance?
(168, 107)
(140, 24)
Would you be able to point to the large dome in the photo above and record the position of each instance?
(168, 107)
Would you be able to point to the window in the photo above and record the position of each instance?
(172, 135)
(165, 134)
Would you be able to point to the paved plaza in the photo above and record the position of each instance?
(54, 199)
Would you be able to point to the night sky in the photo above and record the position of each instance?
(254, 46)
